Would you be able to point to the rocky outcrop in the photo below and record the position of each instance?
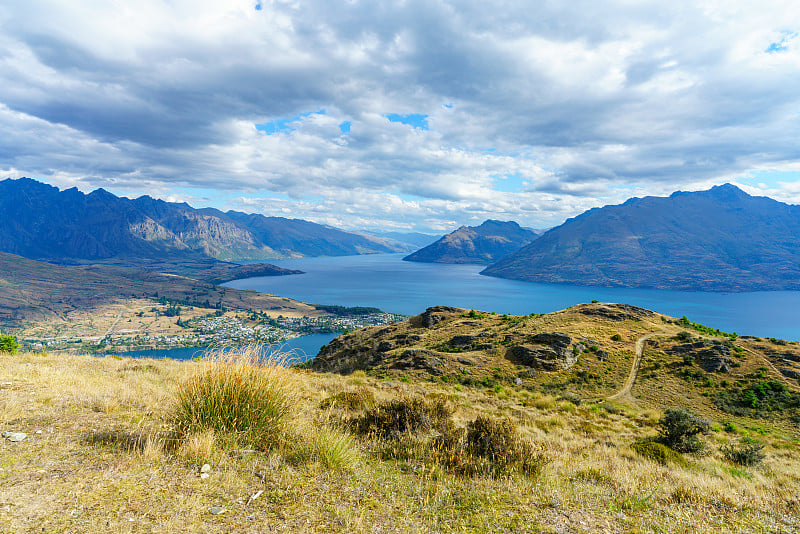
(790, 373)
(435, 315)
(712, 357)
(546, 352)
(425, 360)
(617, 312)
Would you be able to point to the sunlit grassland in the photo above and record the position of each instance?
(105, 453)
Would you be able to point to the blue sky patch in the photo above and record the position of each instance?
(771, 177)
(258, 6)
(345, 127)
(782, 45)
(282, 125)
(417, 120)
(509, 183)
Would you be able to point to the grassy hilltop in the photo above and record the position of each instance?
(395, 436)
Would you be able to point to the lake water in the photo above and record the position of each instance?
(297, 350)
(386, 282)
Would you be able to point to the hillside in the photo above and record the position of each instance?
(585, 352)
(40, 222)
(406, 448)
(482, 244)
(717, 240)
(32, 291)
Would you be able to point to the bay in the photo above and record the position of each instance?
(296, 350)
(386, 282)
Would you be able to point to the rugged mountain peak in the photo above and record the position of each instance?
(721, 239)
(476, 244)
(42, 222)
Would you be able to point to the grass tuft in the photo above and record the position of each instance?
(238, 395)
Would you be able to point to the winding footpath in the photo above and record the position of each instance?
(625, 392)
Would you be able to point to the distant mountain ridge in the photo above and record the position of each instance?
(43, 223)
(482, 244)
(721, 239)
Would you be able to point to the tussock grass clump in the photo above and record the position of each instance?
(658, 452)
(326, 445)
(396, 417)
(357, 399)
(238, 395)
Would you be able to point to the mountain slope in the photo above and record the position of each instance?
(41, 222)
(35, 291)
(717, 240)
(482, 244)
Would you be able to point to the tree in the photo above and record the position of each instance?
(8, 344)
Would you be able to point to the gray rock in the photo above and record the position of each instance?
(602, 355)
(713, 357)
(546, 358)
(205, 469)
(15, 436)
(552, 338)
(518, 381)
(435, 315)
(216, 510)
(791, 373)
(465, 361)
(384, 346)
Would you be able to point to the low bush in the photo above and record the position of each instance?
(658, 452)
(8, 344)
(393, 418)
(679, 430)
(747, 452)
(239, 396)
(488, 447)
(350, 400)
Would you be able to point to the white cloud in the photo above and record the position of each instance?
(587, 102)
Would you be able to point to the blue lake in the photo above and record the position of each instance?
(296, 350)
(386, 282)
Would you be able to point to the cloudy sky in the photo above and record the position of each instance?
(403, 115)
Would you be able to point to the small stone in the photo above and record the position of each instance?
(216, 510)
(15, 436)
(205, 469)
(255, 496)
(518, 381)
(204, 475)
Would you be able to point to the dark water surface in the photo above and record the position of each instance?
(296, 350)
(386, 282)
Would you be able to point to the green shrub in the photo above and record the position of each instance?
(658, 452)
(616, 337)
(747, 452)
(239, 396)
(678, 430)
(757, 399)
(8, 344)
(392, 419)
(684, 336)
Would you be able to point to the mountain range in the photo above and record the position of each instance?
(43, 223)
(482, 244)
(721, 239)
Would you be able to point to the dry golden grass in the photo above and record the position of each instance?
(100, 457)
